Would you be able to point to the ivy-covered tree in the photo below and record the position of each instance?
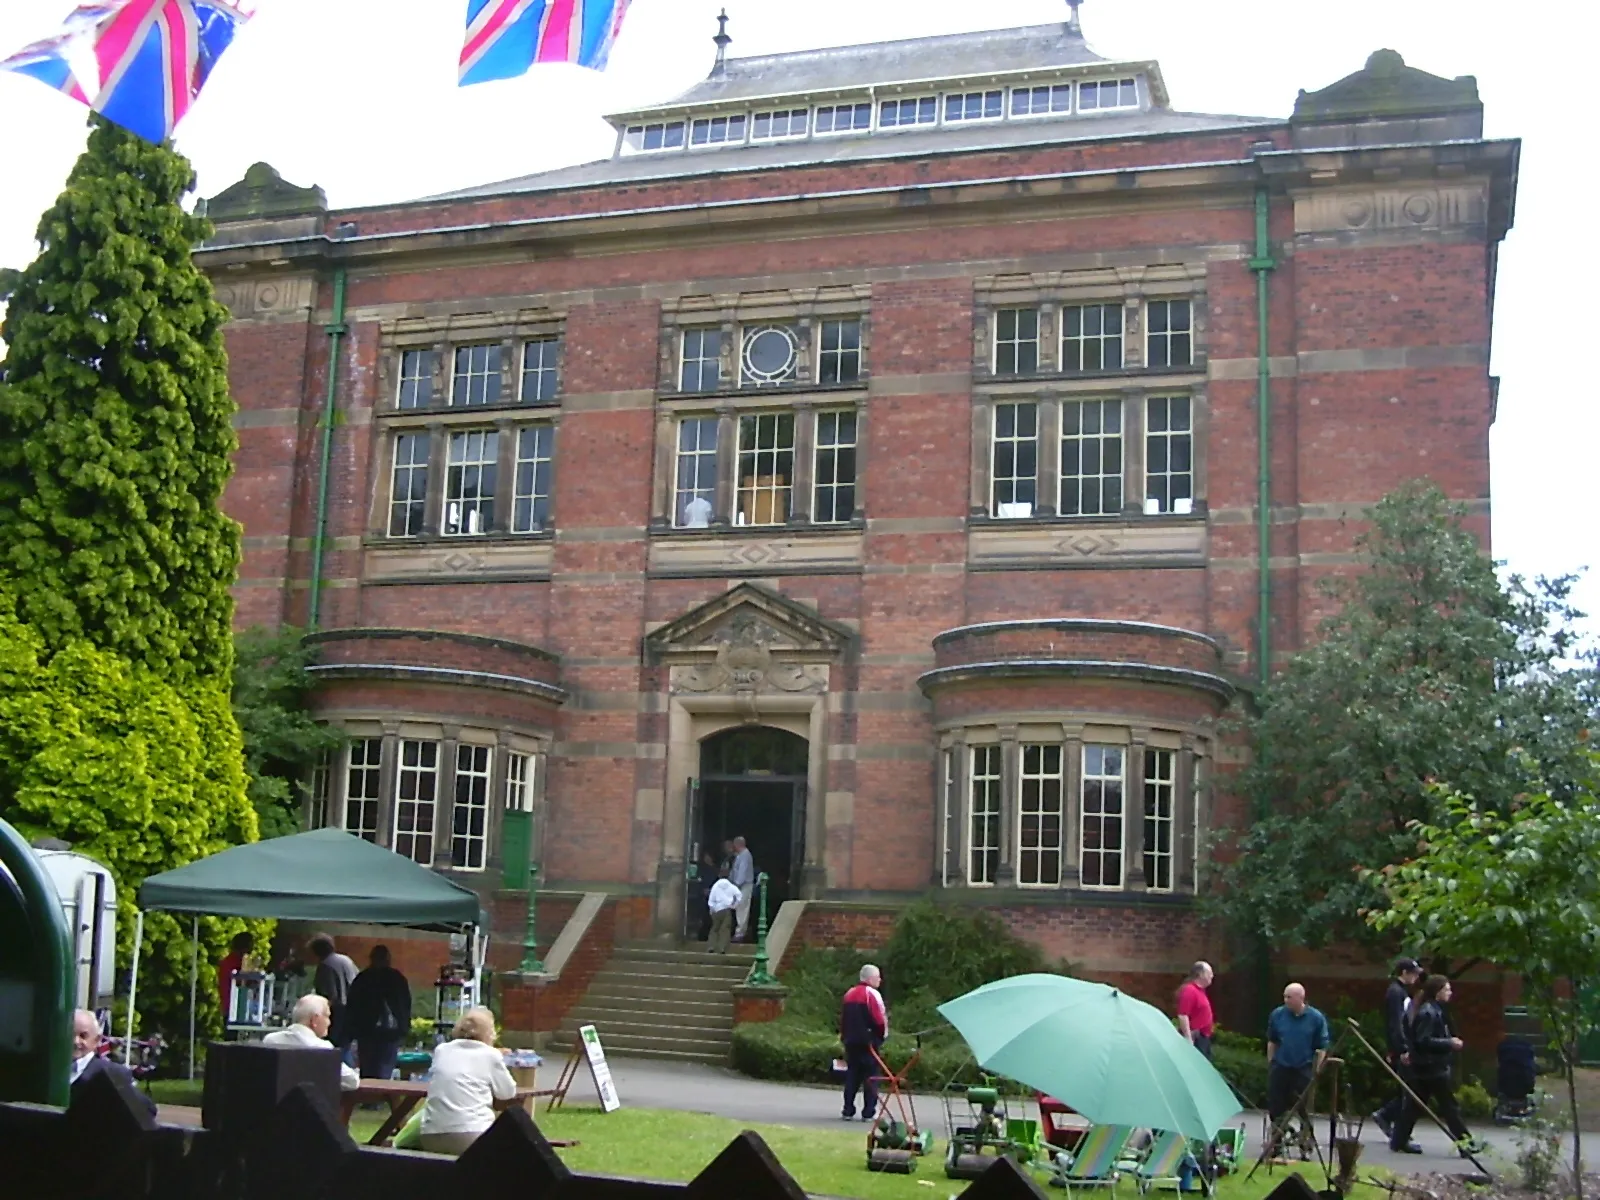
(1432, 671)
(115, 421)
(282, 743)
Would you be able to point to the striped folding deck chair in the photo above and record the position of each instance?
(1163, 1164)
(1095, 1163)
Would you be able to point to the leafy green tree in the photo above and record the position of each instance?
(135, 772)
(1520, 888)
(281, 740)
(1431, 670)
(115, 421)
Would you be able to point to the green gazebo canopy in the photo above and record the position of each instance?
(324, 875)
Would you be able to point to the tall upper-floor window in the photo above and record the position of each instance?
(530, 498)
(700, 361)
(416, 379)
(839, 360)
(766, 467)
(1016, 341)
(408, 493)
(1041, 816)
(469, 813)
(1169, 333)
(1101, 816)
(835, 472)
(1091, 458)
(695, 493)
(471, 467)
(1169, 455)
(416, 788)
(1015, 478)
(540, 374)
(983, 816)
(363, 796)
(1160, 819)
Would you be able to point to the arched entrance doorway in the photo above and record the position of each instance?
(752, 785)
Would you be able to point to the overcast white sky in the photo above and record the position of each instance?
(359, 96)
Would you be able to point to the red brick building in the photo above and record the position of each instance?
(865, 458)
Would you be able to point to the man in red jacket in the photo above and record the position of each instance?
(863, 1024)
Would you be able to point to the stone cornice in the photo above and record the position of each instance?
(468, 639)
(399, 673)
(1038, 668)
(1077, 625)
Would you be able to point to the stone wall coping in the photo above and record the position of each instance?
(446, 675)
(775, 991)
(567, 941)
(1077, 625)
(781, 931)
(1014, 897)
(1025, 668)
(444, 635)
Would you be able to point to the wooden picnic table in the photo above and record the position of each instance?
(402, 1096)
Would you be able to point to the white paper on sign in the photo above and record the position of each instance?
(599, 1071)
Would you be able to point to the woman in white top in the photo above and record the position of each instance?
(468, 1076)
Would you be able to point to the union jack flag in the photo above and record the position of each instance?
(506, 37)
(140, 63)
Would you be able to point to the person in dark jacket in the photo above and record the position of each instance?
(1432, 1048)
(378, 1015)
(87, 1061)
(1396, 1010)
(863, 1024)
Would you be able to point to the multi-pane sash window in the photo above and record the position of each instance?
(1040, 835)
(923, 110)
(695, 496)
(362, 797)
(477, 375)
(1016, 341)
(786, 123)
(716, 131)
(1091, 458)
(1168, 455)
(701, 364)
(469, 815)
(416, 786)
(408, 492)
(1016, 459)
(469, 480)
(1091, 337)
(1100, 834)
(975, 106)
(1036, 101)
(416, 379)
(983, 819)
(658, 136)
(843, 118)
(950, 792)
(1160, 818)
(1169, 333)
(769, 354)
(519, 783)
(766, 467)
(834, 496)
(839, 360)
(1101, 94)
(530, 498)
(540, 379)
(318, 791)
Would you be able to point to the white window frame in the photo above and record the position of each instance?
(411, 469)
(479, 460)
(749, 377)
(1152, 336)
(1012, 509)
(834, 109)
(698, 452)
(983, 94)
(700, 333)
(1016, 341)
(1167, 503)
(363, 786)
(788, 115)
(416, 373)
(900, 102)
(1102, 439)
(1050, 110)
(985, 802)
(1160, 809)
(1121, 83)
(1082, 341)
(949, 797)
(409, 811)
(534, 450)
(491, 371)
(831, 450)
(474, 775)
(319, 793)
(840, 354)
(520, 771)
(634, 137)
(1034, 785)
(548, 367)
(734, 128)
(1120, 854)
(761, 448)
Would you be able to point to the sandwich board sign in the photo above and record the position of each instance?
(598, 1070)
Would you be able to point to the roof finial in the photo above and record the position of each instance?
(722, 40)
(1072, 21)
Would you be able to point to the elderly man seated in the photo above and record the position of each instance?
(312, 1016)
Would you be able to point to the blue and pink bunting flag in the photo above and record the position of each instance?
(506, 37)
(139, 63)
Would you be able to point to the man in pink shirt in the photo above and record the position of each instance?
(1195, 1021)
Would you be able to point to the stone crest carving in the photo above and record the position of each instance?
(745, 663)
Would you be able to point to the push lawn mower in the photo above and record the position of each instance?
(981, 1130)
(895, 1140)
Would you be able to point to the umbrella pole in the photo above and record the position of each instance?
(133, 986)
(194, 985)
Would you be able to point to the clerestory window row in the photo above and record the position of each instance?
(770, 354)
(479, 373)
(1091, 338)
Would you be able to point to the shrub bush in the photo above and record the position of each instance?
(1474, 1100)
(796, 1052)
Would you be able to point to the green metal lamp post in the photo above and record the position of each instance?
(759, 975)
(530, 939)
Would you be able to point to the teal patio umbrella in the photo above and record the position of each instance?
(1116, 1060)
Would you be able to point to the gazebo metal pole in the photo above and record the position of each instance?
(133, 986)
(194, 985)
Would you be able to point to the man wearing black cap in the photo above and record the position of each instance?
(1396, 1010)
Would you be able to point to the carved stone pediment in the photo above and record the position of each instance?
(749, 640)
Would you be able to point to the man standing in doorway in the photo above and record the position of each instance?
(863, 1024)
(1297, 1042)
(1195, 1020)
(743, 877)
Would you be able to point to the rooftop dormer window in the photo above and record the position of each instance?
(785, 123)
(917, 110)
(666, 135)
(1099, 95)
(844, 118)
(717, 131)
(974, 106)
(1040, 101)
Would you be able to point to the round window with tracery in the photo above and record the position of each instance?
(771, 354)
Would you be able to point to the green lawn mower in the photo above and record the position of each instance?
(981, 1130)
(896, 1141)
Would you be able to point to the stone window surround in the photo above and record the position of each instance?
(449, 734)
(1193, 745)
(506, 420)
(444, 334)
(805, 307)
(1048, 395)
(727, 409)
(1050, 291)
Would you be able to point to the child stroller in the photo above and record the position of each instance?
(1514, 1100)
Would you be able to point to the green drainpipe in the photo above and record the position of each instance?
(336, 332)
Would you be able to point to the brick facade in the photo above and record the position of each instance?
(1060, 629)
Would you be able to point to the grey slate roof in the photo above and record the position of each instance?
(639, 168)
(947, 57)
